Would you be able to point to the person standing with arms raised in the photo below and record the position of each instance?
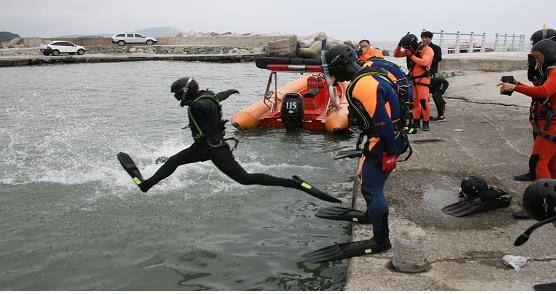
(419, 58)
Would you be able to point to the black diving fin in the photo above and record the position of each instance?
(130, 167)
(355, 153)
(343, 214)
(545, 287)
(489, 199)
(309, 189)
(347, 250)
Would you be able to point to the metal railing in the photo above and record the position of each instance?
(455, 43)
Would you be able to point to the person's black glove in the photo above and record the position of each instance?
(234, 91)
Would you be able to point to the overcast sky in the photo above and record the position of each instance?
(375, 20)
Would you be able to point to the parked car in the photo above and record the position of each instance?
(57, 47)
(132, 38)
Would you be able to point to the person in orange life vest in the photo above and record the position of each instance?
(367, 51)
(401, 82)
(375, 105)
(419, 59)
(544, 113)
(536, 76)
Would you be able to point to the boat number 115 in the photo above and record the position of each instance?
(291, 105)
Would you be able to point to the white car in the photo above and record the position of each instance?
(132, 38)
(57, 47)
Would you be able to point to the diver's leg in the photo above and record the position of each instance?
(372, 188)
(552, 167)
(416, 107)
(224, 160)
(546, 151)
(425, 106)
(189, 155)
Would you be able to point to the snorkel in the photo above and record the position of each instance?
(331, 89)
(524, 237)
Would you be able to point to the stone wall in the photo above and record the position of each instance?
(36, 42)
(234, 41)
(284, 45)
(489, 65)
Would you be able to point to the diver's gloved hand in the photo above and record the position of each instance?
(408, 53)
(389, 162)
(234, 91)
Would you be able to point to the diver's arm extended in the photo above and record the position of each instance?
(225, 94)
(545, 90)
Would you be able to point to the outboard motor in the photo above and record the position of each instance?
(292, 112)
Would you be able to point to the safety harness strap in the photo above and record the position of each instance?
(213, 98)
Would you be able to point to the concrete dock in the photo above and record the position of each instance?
(488, 135)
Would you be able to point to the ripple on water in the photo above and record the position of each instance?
(72, 220)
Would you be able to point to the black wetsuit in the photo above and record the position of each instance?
(207, 127)
(438, 87)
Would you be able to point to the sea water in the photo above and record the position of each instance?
(71, 218)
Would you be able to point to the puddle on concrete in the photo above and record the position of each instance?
(420, 196)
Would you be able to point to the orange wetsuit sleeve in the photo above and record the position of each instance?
(545, 90)
(426, 57)
(398, 52)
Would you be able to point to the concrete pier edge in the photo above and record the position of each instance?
(488, 135)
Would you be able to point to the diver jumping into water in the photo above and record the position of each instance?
(208, 130)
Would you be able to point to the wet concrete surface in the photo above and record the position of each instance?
(419, 196)
(492, 141)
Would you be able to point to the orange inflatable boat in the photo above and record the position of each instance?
(304, 103)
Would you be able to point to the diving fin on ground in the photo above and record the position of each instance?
(130, 167)
(487, 200)
(343, 214)
(308, 188)
(347, 250)
(545, 287)
(355, 153)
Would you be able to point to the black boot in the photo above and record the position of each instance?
(522, 214)
(426, 126)
(417, 123)
(530, 176)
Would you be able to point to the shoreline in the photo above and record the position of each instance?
(10, 61)
(452, 63)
